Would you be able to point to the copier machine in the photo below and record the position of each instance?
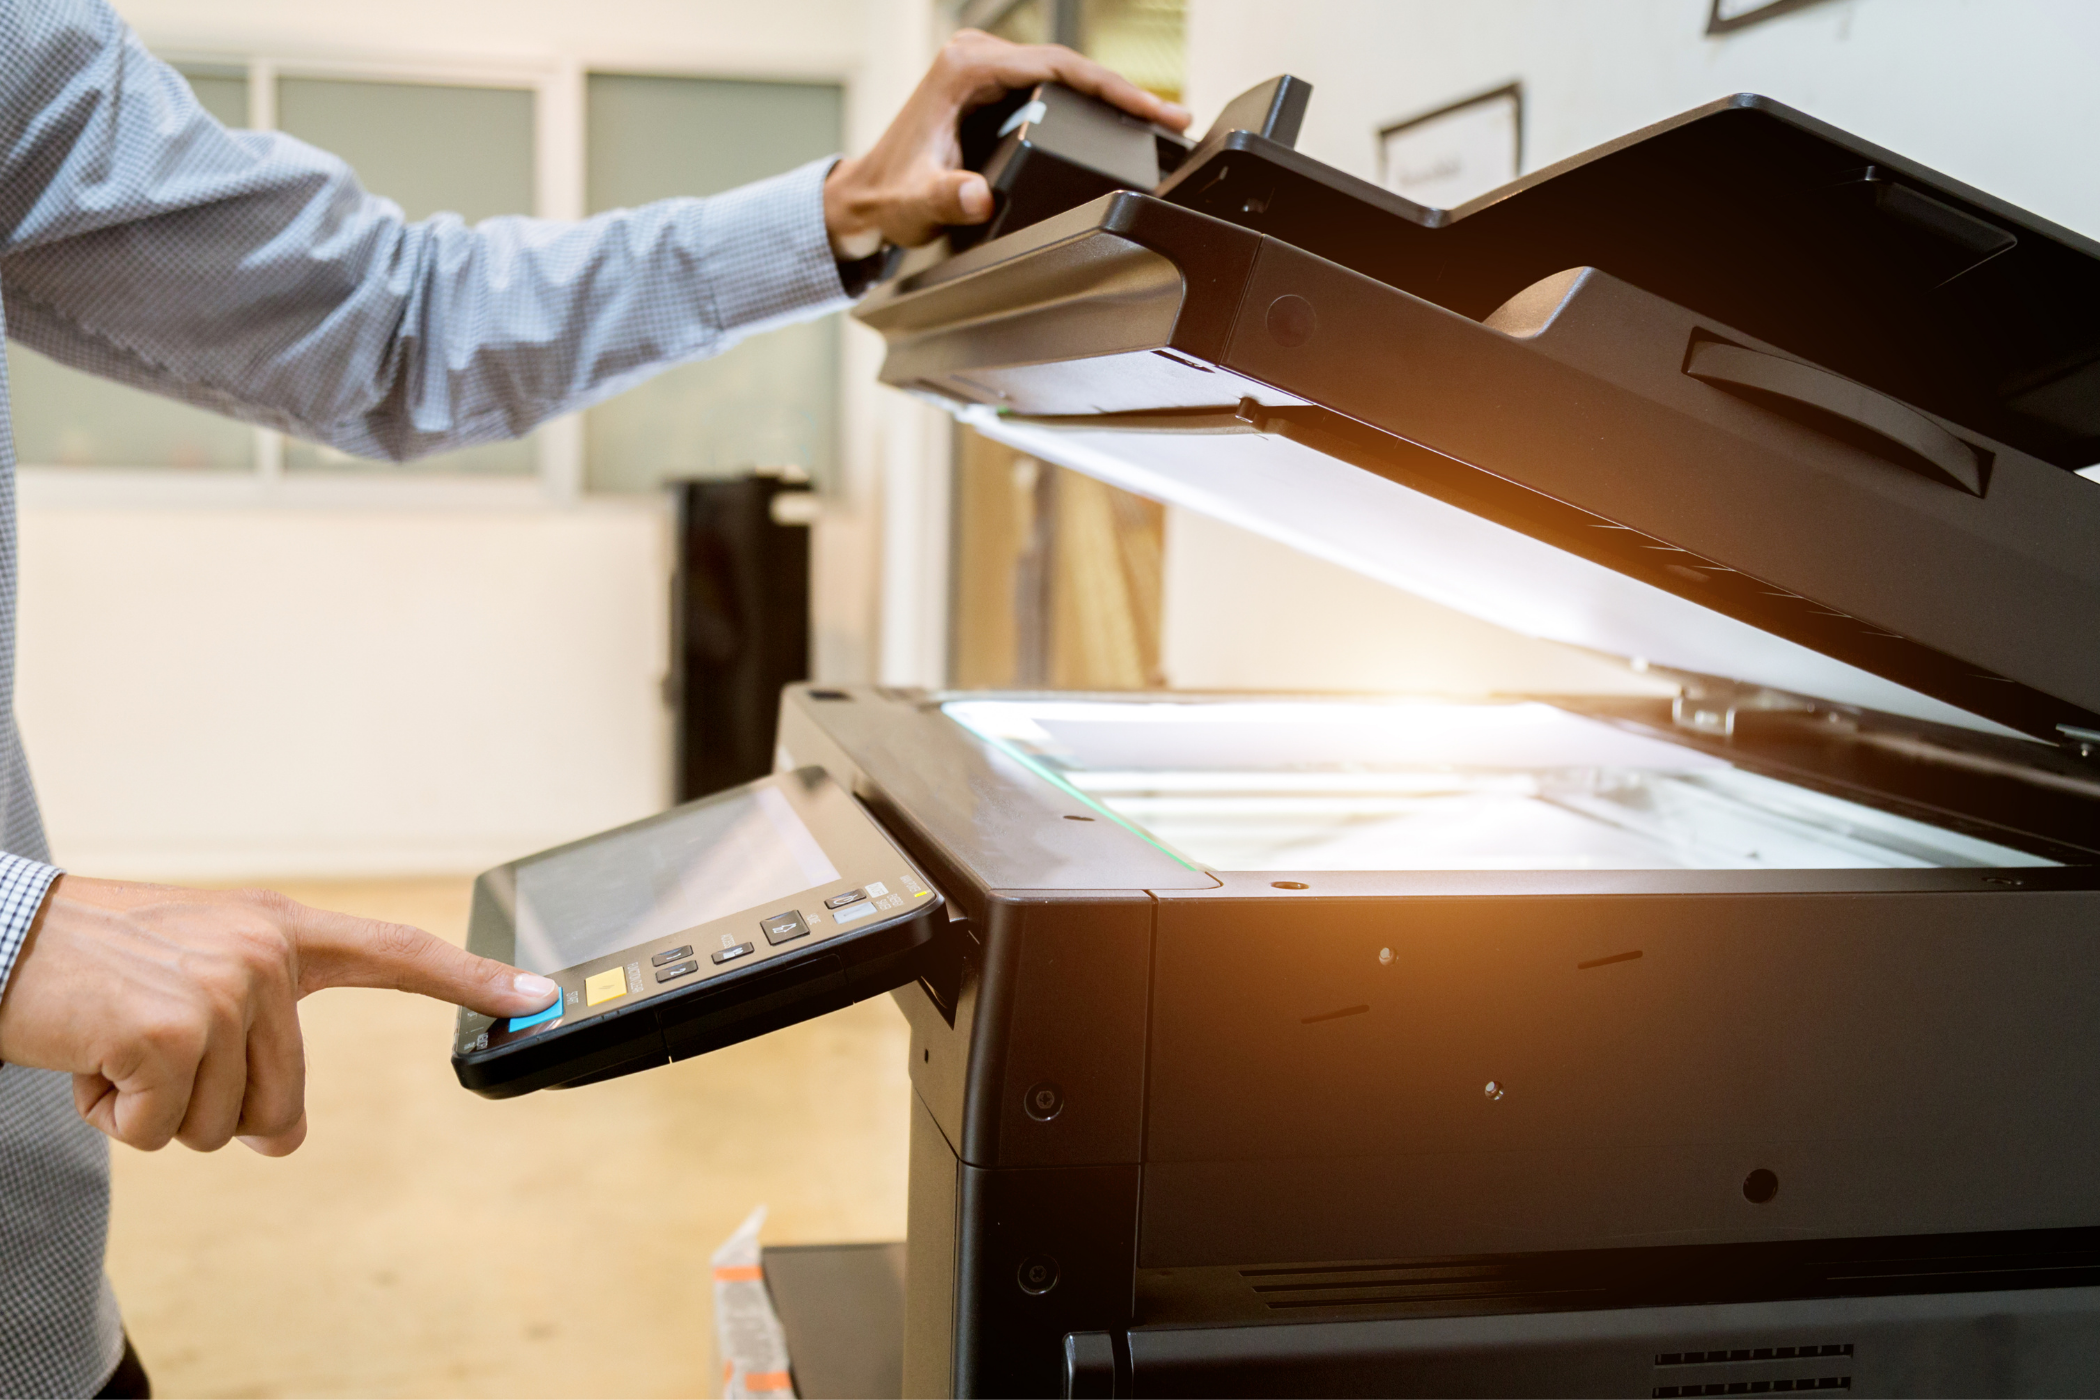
(1739, 1038)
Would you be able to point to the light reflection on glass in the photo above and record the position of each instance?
(1433, 785)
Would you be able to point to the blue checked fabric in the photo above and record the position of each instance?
(249, 273)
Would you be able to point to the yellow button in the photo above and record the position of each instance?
(605, 986)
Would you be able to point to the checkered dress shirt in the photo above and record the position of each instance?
(251, 274)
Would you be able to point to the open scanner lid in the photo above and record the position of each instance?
(1739, 395)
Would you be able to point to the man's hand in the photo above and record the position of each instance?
(176, 1010)
(910, 185)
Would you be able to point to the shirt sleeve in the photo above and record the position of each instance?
(249, 273)
(23, 883)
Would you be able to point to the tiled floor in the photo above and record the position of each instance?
(428, 1242)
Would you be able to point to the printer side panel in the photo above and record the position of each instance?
(1052, 1110)
(1384, 1078)
(1057, 1056)
(1026, 1142)
(929, 1259)
(1040, 1252)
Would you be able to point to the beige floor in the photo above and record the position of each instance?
(428, 1242)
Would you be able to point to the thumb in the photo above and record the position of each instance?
(341, 950)
(278, 1144)
(959, 197)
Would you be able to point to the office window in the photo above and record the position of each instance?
(429, 147)
(771, 401)
(64, 418)
(466, 144)
(221, 88)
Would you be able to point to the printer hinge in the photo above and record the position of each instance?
(1711, 710)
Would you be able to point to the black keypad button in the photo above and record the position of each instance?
(676, 970)
(840, 901)
(782, 928)
(731, 954)
(670, 955)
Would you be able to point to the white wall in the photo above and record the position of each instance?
(253, 688)
(227, 693)
(1998, 93)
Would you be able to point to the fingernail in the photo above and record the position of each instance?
(1176, 110)
(540, 989)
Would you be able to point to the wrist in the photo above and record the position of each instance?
(850, 213)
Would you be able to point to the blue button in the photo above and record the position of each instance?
(519, 1023)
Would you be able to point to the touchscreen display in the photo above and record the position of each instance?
(742, 851)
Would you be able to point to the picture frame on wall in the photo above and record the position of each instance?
(1444, 157)
(1728, 16)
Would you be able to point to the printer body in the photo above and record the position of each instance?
(1191, 1131)
(1738, 1039)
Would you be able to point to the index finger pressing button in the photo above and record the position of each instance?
(781, 928)
(519, 1023)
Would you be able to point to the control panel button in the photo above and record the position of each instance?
(671, 955)
(676, 970)
(519, 1023)
(605, 986)
(782, 928)
(840, 901)
(877, 890)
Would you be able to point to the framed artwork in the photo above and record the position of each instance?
(1444, 158)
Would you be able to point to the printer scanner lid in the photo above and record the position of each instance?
(1738, 394)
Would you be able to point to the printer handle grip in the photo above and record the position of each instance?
(1839, 407)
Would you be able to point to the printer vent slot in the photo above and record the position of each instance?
(1787, 1370)
(1709, 1358)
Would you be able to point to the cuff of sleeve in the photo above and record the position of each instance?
(769, 257)
(23, 883)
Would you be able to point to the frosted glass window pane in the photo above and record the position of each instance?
(773, 400)
(429, 147)
(64, 418)
(221, 88)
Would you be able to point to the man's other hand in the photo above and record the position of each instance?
(176, 1010)
(910, 185)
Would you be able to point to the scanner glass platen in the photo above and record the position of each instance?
(1441, 785)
